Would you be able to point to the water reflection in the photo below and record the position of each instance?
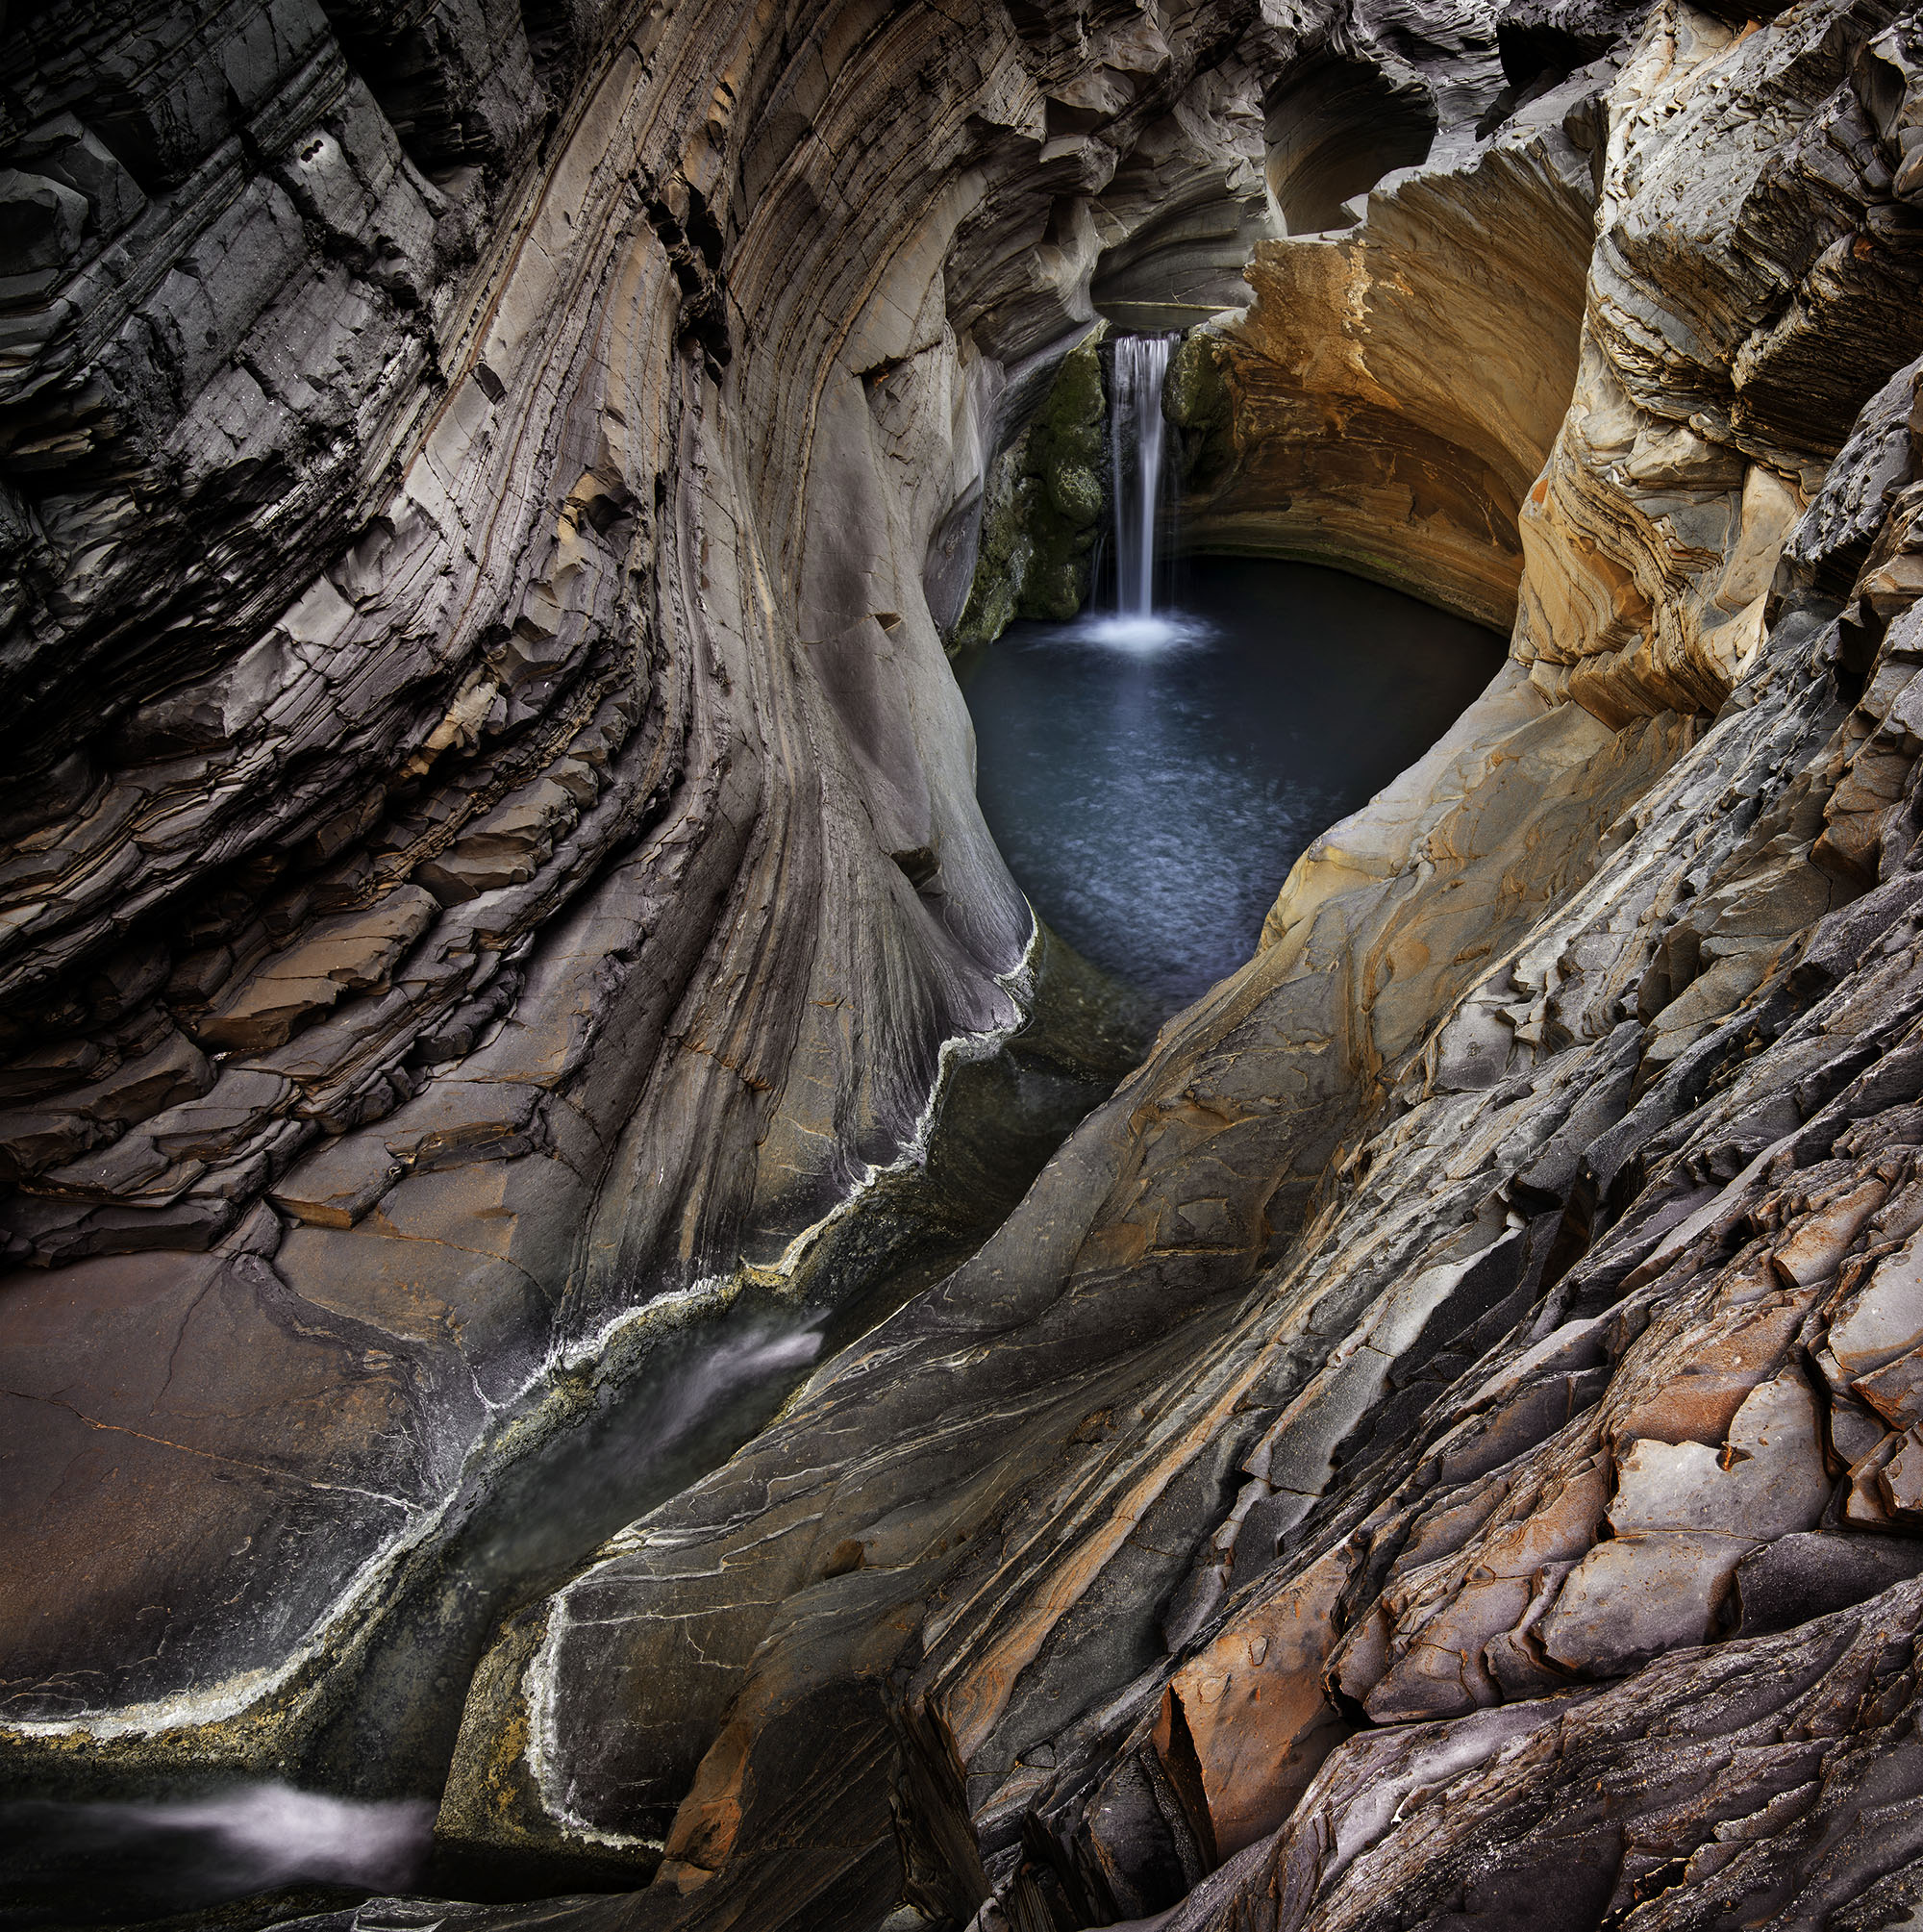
(1151, 779)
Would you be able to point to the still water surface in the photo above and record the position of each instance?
(1151, 785)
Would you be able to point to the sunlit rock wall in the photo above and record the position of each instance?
(1390, 399)
(1702, 425)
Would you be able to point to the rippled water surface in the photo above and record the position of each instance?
(1151, 785)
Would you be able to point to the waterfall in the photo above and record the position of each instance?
(1135, 430)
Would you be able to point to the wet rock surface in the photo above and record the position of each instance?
(490, 843)
(1042, 504)
(1444, 1440)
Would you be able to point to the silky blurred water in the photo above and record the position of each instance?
(1150, 783)
(1137, 439)
(82, 1864)
(704, 1391)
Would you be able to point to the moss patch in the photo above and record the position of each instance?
(1195, 398)
(1043, 502)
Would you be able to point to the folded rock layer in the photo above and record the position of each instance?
(492, 850)
(1444, 1440)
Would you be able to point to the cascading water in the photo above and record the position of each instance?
(1136, 445)
(1152, 771)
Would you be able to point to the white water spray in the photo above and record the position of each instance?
(1136, 446)
(123, 1861)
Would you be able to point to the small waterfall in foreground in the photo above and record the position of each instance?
(1136, 447)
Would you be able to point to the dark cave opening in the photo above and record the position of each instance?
(1336, 126)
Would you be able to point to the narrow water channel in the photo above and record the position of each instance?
(1150, 785)
(353, 1811)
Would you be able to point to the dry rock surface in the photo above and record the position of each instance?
(492, 874)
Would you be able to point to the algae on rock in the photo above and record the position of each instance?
(1041, 506)
(1195, 399)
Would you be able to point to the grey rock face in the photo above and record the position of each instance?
(490, 845)
(495, 866)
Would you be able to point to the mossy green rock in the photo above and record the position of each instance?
(1043, 502)
(1193, 393)
(1056, 587)
(1075, 494)
(1195, 398)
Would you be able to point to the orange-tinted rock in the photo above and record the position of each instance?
(1256, 1709)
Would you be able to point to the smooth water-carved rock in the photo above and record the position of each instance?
(1439, 1441)
(1394, 391)
(492, 848)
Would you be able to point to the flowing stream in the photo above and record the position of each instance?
(70, 1864)
(648, 1421)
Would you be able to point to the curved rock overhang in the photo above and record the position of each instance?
(1391, 396)
(1186, 264)
(1337, 122)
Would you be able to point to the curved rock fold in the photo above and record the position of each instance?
(494, 886)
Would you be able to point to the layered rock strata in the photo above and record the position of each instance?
(1315, 1503)
(492, 851)
(1441, 1442)
(1391, 398)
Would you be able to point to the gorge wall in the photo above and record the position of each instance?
(492, 848)
(495, 867)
